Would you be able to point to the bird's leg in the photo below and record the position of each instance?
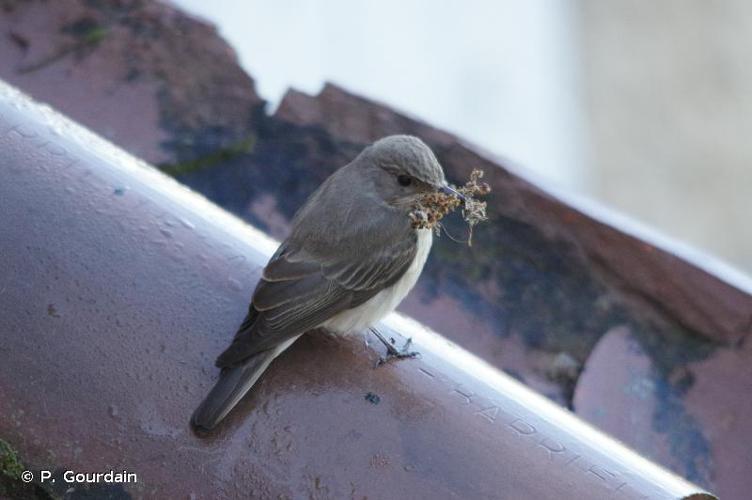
(391, 351)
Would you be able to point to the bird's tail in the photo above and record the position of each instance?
(234, 382)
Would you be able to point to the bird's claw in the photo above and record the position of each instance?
(392, 353)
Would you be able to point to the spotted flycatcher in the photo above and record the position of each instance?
(350, 259)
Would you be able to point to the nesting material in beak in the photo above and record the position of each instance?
(450, 191)
(432, 207)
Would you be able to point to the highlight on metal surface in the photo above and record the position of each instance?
(118, 288)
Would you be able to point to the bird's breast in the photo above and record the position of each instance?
(387, 300)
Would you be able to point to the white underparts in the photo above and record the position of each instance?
(384, 302)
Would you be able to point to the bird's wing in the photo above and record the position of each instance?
(299, 290)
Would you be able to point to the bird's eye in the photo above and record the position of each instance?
(404, 180)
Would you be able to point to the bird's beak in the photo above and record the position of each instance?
(446, 189)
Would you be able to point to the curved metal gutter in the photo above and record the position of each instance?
(118, 288)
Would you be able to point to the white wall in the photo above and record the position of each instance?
(668, 100)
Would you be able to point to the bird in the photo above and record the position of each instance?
(351, 256)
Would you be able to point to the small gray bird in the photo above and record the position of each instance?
(350, 259)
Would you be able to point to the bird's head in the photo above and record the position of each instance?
(402, 168)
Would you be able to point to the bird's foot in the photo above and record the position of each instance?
(392, 352)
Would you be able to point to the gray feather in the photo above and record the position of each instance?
(350, 240)
(234, 382)
(317, 272)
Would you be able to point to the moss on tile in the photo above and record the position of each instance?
(86, 34)
(10, 465)
(210, 159)
(11, 485)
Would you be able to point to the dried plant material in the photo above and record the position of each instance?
(474, 210)
(432, 207)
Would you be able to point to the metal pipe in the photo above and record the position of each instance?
(119, 286)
